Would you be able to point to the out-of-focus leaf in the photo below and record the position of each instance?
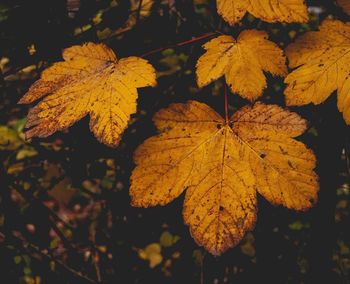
(152, 253)
(9, 139)
(171, 63)
(62, 192)
(17, 259)
(198, 257)
(136, 14)
(15, 168)
(296, 226)
(26, 152)
(26, 73)
(3, 12)
(167, 239)
(247, 247)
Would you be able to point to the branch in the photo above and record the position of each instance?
(195, 39)
(27, 246)
(139, 11)
(30, 199)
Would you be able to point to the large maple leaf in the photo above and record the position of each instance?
(90, 80)
(268, 10)
(321, 59)
(221, 164)
(242, 62)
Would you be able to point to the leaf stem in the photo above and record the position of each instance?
(139, 12)
(194, 39)
(226, 105)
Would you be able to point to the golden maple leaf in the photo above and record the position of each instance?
(242, 62)
(322, 61)
(345, 5)
(287, 11)
(92, 81)
(221, 164)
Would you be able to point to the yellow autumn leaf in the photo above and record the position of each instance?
(221, 164)
(345, 5)
(321, 59)
(271, 11)
(90, 80)
(242, 62)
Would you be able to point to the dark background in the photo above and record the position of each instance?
(71, 176)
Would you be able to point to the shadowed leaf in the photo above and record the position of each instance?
(90, 80)
(321, 60)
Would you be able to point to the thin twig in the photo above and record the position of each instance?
(180, 43)
(97, 267)
(25, 244)
(29, 198)
(202, 269)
